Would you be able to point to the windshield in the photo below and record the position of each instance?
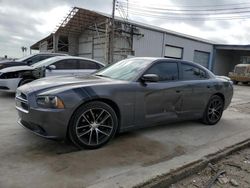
(46, 62)
(127, 69)
(24, 58)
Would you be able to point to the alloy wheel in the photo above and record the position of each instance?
(215, 110)
(94, 126)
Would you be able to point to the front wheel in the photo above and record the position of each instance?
(93, 125)
(214, 110)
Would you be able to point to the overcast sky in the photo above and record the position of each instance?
(23, 23)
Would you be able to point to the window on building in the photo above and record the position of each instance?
(201, 58)
(245, 59)
(66, 64)
(190, 72)
(165, 70)
(173, 52)
(63, 43)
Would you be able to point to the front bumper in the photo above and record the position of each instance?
(9, 85)
(47, 123)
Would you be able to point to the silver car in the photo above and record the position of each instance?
(13, 77)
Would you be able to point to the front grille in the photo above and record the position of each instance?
(4, 88)
(34, 127)
(22, 102)
(23, 96)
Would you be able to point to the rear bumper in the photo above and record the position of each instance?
(9, 85)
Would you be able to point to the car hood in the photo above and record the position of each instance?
(16, 68)
(66, 82)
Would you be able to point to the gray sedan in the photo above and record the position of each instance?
(131, 94)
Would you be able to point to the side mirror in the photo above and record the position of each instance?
(29, 62)
(150, 78)
(51, 67)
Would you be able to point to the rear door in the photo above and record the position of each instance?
(63, 67)
(86, 67)
(196, 89)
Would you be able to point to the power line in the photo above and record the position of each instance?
(198, 16)
(193, 6)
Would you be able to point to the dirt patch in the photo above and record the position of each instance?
(234, 169)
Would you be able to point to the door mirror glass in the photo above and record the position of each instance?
(51, 67)
(29, 62)
(150, 78)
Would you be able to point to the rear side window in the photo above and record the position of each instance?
(66, 64)
(166, 71)
(190, 72)
(85, 64)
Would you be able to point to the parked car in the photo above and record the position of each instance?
(133, 93)
(241, 74)
(28, 60)
(13, 77)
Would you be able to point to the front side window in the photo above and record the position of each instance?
(66, 64)
(190, 72)
(166, 71)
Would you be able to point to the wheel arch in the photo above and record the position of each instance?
(110, 102)
(220, 95)
(26, 77)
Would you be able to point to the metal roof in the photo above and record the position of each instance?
(232, 47)
(79, 19)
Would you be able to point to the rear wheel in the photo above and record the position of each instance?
(214, 110)
(93, 125)
(25, 81)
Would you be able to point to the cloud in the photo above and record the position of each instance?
(23, 23)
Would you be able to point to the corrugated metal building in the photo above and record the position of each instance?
(87, 33)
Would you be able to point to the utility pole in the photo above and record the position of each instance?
(111, 40)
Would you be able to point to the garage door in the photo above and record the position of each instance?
(201, 58)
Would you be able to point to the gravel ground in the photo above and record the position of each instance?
(234, 169)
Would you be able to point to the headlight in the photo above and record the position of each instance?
(49, 102)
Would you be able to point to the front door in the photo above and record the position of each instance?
(63, 67)
(161, 101)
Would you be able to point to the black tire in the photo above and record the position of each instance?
(214, 110)
(245, 83)
(93, 125)
(25, 81)
(235, 82)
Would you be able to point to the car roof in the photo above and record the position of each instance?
(76, 57)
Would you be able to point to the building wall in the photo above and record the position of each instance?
(189, 46)
(149, 45)
(152, 44)
(73, 45)
(85, 42)
(43, 46)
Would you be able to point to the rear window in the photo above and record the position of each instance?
(190, 72)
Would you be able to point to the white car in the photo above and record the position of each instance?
(13, 77)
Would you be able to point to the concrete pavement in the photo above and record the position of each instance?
(130, 159)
